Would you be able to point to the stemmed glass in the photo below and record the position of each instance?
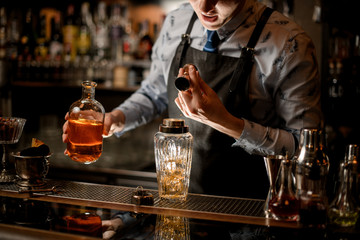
(10, 132)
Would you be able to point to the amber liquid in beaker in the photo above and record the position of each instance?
(85, 140)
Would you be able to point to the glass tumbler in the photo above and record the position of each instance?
(173, 155)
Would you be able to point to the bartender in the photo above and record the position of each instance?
(255, 85)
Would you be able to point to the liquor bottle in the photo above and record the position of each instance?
(117, 31)
(312, 168)
(27, 38)
(56, 45)
(86, 123)
(101, 38)
(130, 41)
(56, 48)
(85, 29)
(42, 44)
(13, 42)
(70, 34)
(145, 42)
(335, 87)
(3, 32)
(284, 205)
(343, 211)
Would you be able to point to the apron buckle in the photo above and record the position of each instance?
(186, 38)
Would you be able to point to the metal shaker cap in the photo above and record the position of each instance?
(173, 125)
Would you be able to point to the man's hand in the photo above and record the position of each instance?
(114, 122)
(109, 227)
(202, 104)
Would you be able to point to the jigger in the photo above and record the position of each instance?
(182, 83)
(272, 165)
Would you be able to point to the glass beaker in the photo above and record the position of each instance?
(173, 156)
(86, 124)
(285, 205)
(272, 165)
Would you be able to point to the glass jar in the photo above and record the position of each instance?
(173, 156)
(312, 167)
(86, 124)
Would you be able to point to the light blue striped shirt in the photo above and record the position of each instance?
(284, 89)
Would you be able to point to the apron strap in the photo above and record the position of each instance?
(185, 42)
(246, 61)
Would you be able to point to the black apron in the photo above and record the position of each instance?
(217, 167)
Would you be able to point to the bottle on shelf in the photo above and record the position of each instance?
(56, 46)
(117, 30)
(101, 37)
(130, 41)
(145, 41)
(42, 44)
(27, 38)
(85, 31)
(13, 39)
(70, 34)
(336, 89)
(3, 32)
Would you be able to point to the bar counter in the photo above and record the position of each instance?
(74, 210)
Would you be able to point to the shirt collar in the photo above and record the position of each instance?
(237, 20)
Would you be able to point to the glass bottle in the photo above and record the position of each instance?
(351, 157)
(27, 38)
(336, 88)
(284, 205)
(117, 30)
(70, 34)
(173, 155)
(312, 167)
(42, 44)
(343, 211)
(14, 34)
(85, 30)
(86, 123)
(3, 32)
(101, 38)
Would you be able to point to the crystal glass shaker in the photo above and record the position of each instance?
(312, 167)
(86, 123)
(173, 156)
(343, 210)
